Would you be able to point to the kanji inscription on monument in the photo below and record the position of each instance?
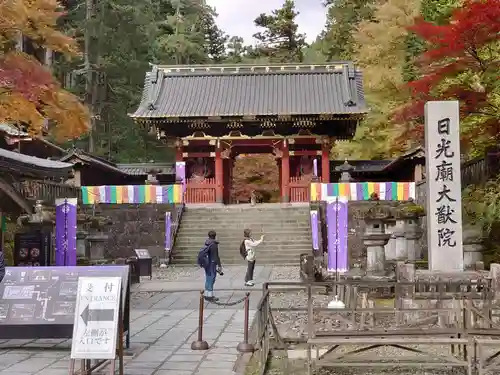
(444, 202)
(95, 329)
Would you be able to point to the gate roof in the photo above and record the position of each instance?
(176, 92)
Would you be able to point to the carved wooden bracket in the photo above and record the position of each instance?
(226, 154)
(278, 154)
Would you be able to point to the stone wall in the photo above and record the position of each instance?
(357, 226)
(131, 226)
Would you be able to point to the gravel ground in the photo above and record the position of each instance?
(294, 324)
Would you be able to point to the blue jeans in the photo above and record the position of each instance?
(210, 274)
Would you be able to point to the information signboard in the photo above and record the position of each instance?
(32, 249)
(39, 302)
(95, 328)
(142, 254)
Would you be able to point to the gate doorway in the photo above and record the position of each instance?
(255, 173)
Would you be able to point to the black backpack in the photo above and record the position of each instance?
(204, 257)
(243, 250)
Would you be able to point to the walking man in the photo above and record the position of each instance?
(247, 250)
(213, 265)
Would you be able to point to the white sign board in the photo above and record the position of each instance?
(444, 192)
(95, 331)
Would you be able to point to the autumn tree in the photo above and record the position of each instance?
(257, 173)
(379, 45)
(29, 94)
(280, 40)
(461, 62)
(343, 18)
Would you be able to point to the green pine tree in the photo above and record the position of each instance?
(280, 40)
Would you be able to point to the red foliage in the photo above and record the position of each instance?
(22, 74)
(453, 49)
(257, 173)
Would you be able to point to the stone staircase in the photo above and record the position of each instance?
(286, 228)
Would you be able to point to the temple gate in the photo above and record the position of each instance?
(211, 114)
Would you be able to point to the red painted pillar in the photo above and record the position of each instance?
(219, 175)
(285, 173)
(325, 163)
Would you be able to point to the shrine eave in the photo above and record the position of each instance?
(32, 166)
(275, 93)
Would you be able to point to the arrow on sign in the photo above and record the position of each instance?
(105, 315)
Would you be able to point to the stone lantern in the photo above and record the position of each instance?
(345, 169)
(410, 214)
(375, 238)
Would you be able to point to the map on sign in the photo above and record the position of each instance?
(142, 254)
(95, 329)
(47, 295)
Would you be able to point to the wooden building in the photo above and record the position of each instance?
(408, 167)
(211, 114)
(25, 179)
(15, 139)
(91, 170)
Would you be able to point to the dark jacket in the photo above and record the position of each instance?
(213, 251)
(2, 265)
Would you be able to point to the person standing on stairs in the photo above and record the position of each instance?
(213, 267)
(247, 250)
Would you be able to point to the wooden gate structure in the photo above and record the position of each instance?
(433, 324)
(211, 114)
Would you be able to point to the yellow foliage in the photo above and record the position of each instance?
(380, 53)
(29, 94)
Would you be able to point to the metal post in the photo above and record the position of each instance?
(200, 344)
(337, 246)
(245, 346)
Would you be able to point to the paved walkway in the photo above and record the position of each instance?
(164, 322)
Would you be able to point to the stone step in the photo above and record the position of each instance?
(286, 229)
(235, 246)
(235, 209)
(243, 225)
(268, 240)
(238, 232)
(290, 259)
(229, 219)
(246, 214)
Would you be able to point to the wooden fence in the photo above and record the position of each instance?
(476, 171)
(47, 191)
(458, 329)
(201, 191)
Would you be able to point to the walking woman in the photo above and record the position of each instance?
(247, 250)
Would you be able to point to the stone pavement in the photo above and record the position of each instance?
(164, 322)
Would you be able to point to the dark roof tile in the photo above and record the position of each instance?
(239, 91)
(142, 169)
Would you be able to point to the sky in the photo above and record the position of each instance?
(236, 16)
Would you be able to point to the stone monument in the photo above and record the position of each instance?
(444, 202)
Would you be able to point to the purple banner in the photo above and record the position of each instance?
(180, 174)
(315, 167)
(65, 252)
(168, 230)
(314, 229)
(336, 221)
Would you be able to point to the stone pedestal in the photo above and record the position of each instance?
(473, 246)
(375, 240)
(401, 249)
(390, 248)
(412, 235)
(97, 244)
(81, 244)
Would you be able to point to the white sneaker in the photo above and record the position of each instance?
(249, 283)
